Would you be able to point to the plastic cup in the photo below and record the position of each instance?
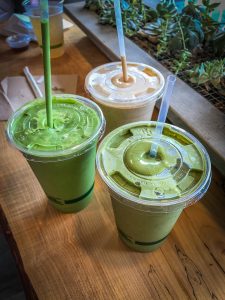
(33, 10)
(66, 175)
(149, 194)
(122, 102)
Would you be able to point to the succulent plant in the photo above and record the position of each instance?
(202, 13)
(179, 35)
(167, 9)
(152, 30)
(218, 42)
(134, 13)
(210, 73)
(182, 61)
(160, 30)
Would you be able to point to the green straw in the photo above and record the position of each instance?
(45, 33)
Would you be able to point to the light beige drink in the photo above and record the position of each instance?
(125, 102)
(56, 27)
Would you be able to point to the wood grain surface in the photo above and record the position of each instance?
(79, 256)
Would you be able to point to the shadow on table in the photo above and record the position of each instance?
(10, 283)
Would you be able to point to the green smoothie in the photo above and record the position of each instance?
(148, 194)
(62, 157)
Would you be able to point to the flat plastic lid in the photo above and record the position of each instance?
(77, 124)
(105, 84)
(180, 173)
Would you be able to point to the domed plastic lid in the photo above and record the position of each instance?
(105, 84)
(180, 173)
(78, 124)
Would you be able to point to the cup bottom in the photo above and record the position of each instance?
(73, 206)
(140, 229)
(141, 247)
(55, 52)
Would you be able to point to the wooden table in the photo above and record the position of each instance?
(79, 256)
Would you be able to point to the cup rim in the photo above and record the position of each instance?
(37, 4)
(132, 200)
(31, 6)
(117, 102)
(73, 151)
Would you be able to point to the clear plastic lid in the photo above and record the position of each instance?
(59, 154)
(179, 174)
(105, 84)
(33, 8)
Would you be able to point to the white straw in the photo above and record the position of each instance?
(33, 84)
(119, 26)
(163, 112)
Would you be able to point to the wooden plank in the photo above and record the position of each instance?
(76, 254)
(188, 109)
(79, 256)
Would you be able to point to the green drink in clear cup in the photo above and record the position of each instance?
(62, 157)
(148, 194)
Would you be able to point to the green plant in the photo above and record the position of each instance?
(135, 14)
(202, 12)
(161, 26)
(218, 42)
(162, 46)
(189, 34)
(210, 73)
(168, 12)
(182, 62)
(94, 5)
(174, 34)
(151, 30)
(166, 9)
(180, 35)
